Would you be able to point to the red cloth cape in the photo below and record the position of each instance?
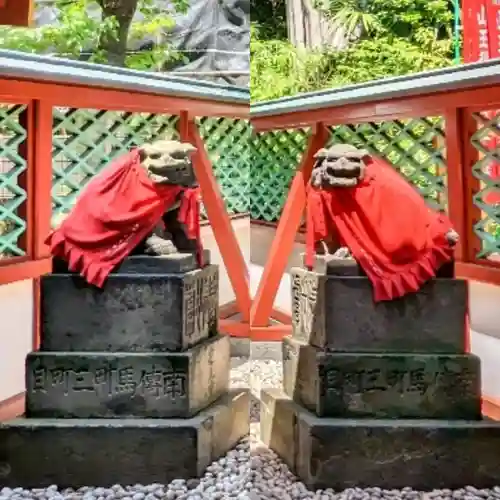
(396, 238)
(115, 211)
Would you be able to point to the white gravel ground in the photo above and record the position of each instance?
(249, 472)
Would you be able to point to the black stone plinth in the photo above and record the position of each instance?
(132, 313)
(390, 454)
(99, 452)
(122, 385)
(147, 264)
(376, 385)
(338, 313)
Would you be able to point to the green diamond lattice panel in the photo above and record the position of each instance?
(86, 140)
(414, 147)
(487, 171)
(275, 156)
(228, 145)
(12, 195)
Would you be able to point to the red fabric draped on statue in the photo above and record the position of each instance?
(116, 210)
(396, 238)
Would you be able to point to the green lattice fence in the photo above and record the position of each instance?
(12, 194)
(275, 156)
(85, 141)
(228, 145)
(414, 147)
(487, 171)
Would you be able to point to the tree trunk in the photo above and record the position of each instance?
(115, 47)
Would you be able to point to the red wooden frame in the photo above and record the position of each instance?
(16, 12)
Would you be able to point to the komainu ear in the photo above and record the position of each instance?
(321, 153)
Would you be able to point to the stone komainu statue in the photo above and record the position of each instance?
(145, 202)
(362, 205)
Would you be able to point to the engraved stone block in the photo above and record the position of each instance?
(376, 385)
(338, 313)
(73, 453)
(390, 454)
(133, 313)
(122, 385)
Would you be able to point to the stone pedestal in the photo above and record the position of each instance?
(379, 394)
(131, 384)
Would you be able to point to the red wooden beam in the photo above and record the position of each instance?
(484, 273)
(16, 12)
(80, 96)
(12, 270)
(285, 234)
(218, 217)
(392, 109)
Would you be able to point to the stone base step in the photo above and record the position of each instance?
(132, 313)
(390, 454)
(74, 453)
(123, 385)
(373, 385)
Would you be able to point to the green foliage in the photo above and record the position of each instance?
(351, 14)
(75, 32)
(396, 37)
(269, 18)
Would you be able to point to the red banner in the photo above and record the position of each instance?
(481, 41)
(493, 27)
(475, 31)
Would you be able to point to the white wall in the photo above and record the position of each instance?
(261, 240)
(484, 307)
(16, 335)
(485, 333)
(241, 227)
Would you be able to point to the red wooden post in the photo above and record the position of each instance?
(455, 160)
(16, 12)
(217, 215)
(472, 186)
(455, 124)
(42, 200)
(285, 234)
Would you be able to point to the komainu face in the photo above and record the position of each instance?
(341, 165)
(169, 162)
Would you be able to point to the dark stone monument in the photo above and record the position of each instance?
(131, 384)
(379, 394)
